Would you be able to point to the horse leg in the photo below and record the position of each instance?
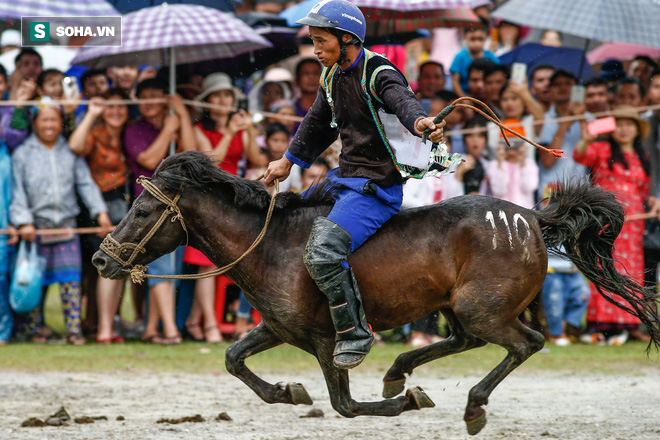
(458, 341)
(337, 381)
(257, 340)
(520, 342)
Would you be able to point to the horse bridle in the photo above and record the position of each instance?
(114, 249)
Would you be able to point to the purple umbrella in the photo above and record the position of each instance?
(174, 34)
(189, 32)
(418, 5)
(56, 8)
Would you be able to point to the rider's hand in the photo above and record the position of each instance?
(437, 132)
(278, 169)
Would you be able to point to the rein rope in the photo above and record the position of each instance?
(493, 118)
(114, 249)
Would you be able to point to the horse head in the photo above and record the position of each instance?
(153, 227)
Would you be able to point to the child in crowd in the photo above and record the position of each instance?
(475, 180)
(515, 101)
(315, 173)
(49, 83)
(278, 138)
(286, 108)
(565, 293)
(513, 176)
(454, 121)
(475, 39)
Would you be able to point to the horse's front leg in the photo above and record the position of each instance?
(340, 393)
(458, 341)
(257, 340)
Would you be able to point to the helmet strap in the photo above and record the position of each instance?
(343, 45)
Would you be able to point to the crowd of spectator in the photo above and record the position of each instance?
(76, 165)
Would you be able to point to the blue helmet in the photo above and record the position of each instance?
(338, 14)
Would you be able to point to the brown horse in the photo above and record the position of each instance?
(478, 259)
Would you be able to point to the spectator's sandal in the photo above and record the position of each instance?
(174, 340)
(192, 330)
(76, 339)
(207, 330)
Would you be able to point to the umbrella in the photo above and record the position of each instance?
(385, 17)
(534, 54)
(389, 17)
(626, 21)
(620, 51)
(191, 33)
(56, 8)
(174, 34)
(126, 6)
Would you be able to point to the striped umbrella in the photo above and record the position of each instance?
(174, 34)
(56, 8)
(389, 17)
(625, 21)
(386, 17)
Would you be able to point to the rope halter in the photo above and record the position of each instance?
(114, 249)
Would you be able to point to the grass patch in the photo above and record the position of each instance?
(191, 357)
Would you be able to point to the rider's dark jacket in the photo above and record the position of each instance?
(363, 153)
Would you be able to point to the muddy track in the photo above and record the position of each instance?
(524, 406)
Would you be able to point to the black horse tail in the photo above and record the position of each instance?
(586, 220)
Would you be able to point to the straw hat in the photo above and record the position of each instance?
(216, 82)
(628, 112)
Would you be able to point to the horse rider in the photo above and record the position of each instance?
(369, 187)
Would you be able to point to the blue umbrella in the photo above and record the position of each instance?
(296, 12)
(534, 54)
(125, 6)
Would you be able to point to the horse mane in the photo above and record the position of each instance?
(196, 170)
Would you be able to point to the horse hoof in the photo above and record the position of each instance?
(298, 394)
(393, 388)
(418, 398)
(476, 425)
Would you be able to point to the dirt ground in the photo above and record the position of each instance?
(524, 406)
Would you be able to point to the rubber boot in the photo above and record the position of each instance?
(325, 258)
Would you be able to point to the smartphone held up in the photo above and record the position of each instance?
(70, 87)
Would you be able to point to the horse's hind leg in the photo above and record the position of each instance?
(458, 341)
(340, 394)
(258, 340)
(521, 342)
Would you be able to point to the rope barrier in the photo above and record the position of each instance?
(64, 231)
(298, 118)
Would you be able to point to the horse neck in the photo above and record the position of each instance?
(223, 232)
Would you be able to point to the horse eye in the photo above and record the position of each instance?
(142, 214)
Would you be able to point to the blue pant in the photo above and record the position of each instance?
(565, 298)
(244, 307)
(6, 266)
(361, 207)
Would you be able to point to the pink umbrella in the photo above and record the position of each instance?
(620, 51)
